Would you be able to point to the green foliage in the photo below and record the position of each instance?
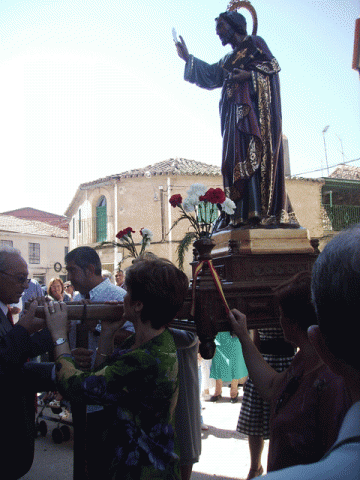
(105, 244)
(183, 247)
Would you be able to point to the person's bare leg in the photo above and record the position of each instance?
(234, 388)
(218, 387)
(242, 381)
(256, 446)
(218, 390)
(185, 471)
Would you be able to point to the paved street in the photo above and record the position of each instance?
(224, 452)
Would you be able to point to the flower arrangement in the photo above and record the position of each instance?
(126, 241)
(201, 208)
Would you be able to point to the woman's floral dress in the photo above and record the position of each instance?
(138, 389)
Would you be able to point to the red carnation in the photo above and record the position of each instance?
(175, 200)
(124, 232)
(214, 195)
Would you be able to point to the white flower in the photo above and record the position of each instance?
(192, 200)
(147, 236)
(228, 206)
(189, 205)
(148, 233)
(197, 190)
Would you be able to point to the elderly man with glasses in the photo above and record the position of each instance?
(18, 377)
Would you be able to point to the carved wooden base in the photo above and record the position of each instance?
(255, 262)
(261, 241)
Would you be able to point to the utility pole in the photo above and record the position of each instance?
(342, 149)
(325, 129)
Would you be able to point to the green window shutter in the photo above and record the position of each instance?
(101, 224)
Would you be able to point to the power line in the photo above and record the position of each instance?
(320, 169)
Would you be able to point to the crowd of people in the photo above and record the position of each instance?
(142, 386)
(132, 358)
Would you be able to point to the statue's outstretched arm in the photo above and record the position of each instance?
(182, 49)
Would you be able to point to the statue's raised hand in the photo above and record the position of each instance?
(182, 49)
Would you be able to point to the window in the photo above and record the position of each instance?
(101, 220)
(79, 220)
(34, 252)
(73, 227)
(6, 243)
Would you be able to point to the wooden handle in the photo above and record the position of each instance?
(75, 310)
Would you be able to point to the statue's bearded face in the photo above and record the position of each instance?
(224, 31)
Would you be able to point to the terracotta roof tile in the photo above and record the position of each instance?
(9, 223)
(173, 166)
(28, 213)
(346, 172)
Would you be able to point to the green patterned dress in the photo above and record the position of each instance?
(138, 389)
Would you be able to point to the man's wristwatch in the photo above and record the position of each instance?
(60, 341)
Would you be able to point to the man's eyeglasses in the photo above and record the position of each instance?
(21, 279)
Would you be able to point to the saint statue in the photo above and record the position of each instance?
(250, 114)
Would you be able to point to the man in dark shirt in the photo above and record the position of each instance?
(19, 378)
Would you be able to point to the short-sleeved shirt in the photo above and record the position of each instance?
(104, 292)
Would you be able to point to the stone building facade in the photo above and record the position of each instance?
(140, 198)
(43, 246)
(137, 198)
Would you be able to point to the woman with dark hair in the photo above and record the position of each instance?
(138, 383)
(308, 401)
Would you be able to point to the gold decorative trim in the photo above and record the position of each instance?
(237, 4)
(241, 111)
(269, 67)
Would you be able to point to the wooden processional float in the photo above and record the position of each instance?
(248, 265)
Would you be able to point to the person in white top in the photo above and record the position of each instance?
(336, 296)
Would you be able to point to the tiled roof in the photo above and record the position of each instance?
(173, 166)
(9, 223)
(306, 179)
(346, 172)
(28, 213)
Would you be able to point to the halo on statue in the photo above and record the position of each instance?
(237, 4)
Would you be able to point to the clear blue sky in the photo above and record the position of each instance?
(90, 88)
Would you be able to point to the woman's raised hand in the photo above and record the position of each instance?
(238, 323)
